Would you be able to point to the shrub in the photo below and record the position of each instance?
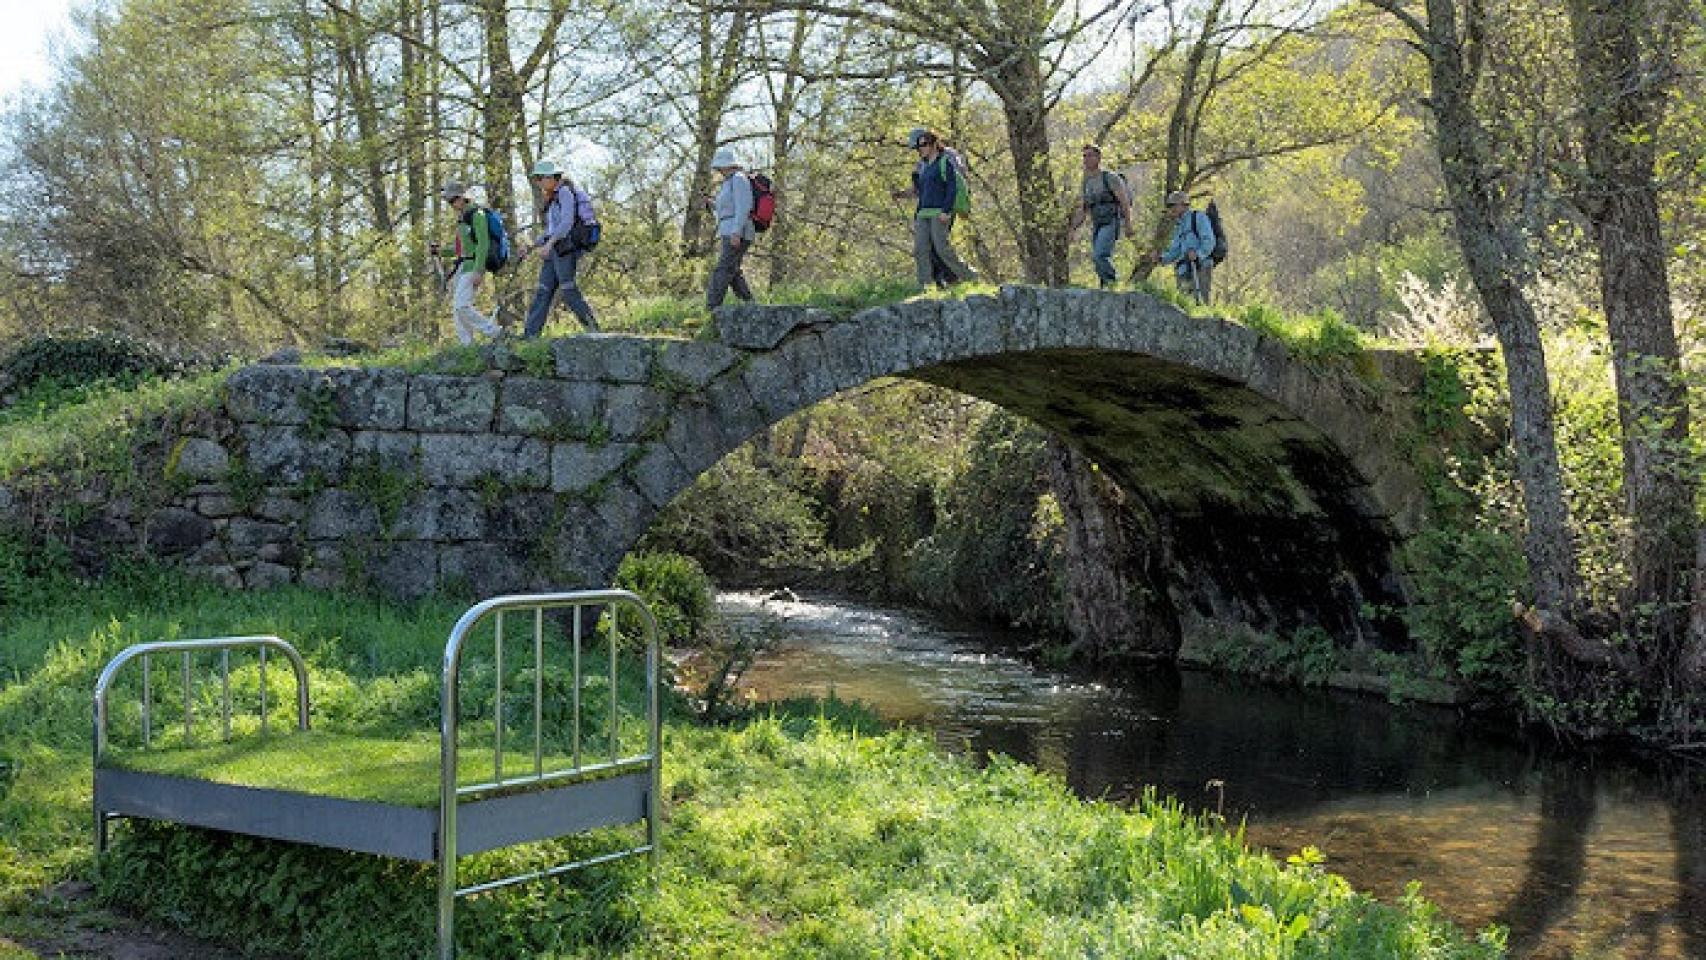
(46, 363)
(676, 588)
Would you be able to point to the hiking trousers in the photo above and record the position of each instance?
(557, 278)
(468, 319)
(931, 235)
(1102, 240)
(1198, 288)
(727, 274)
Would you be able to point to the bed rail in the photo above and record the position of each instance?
(188, 648)
(583, 609)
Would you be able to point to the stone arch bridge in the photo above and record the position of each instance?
(1280, 487)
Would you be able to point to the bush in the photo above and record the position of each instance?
(71, 363)
(740, 519)
(680, 595)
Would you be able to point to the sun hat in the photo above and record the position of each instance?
(1178, 196)
(546, 168)
(919, 136)
(723, 159)
(453, 189)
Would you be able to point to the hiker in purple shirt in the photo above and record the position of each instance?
(562, 206)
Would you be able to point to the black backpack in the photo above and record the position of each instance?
(1218, 255)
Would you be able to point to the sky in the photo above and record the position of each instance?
(24, 43)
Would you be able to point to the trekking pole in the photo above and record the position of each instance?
(1196, 282)
(438, 268)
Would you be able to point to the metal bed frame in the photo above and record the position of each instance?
(469, 819)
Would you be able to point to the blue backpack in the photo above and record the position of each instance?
(499, 255)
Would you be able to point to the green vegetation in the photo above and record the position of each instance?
(803, 833)
(676, 589)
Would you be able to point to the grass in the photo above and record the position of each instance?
(95, 433)
(804, 833)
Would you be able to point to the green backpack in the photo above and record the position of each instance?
(962, 182)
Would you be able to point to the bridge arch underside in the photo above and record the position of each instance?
(1249, 518)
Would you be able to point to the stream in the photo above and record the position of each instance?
(1580, 857)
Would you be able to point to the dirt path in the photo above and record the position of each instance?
(73, 925)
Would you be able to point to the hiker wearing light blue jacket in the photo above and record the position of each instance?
(735, 230)
(1189, 252)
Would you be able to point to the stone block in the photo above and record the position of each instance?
(749, 326)
(287, 455)
(884, 334)
(695, 437)
(269, 394)
(805, 353)
(337, 514)
(174, 532)
(284, 552)
(391, 451)
(265, 576)
(606, 357)
(549, 408)
(771, 382)
(245, 537)
(403, 570)
(925, 340)
(485, 568)
(280, 509)
(465, 460)
(441, 515)
(737, 417)
(846, 353)
(524, 516)
(370, 399)
(634, 411)
(452, 404)
(659, 475)
(695, 362)
(1020, 306)
(200, 459)
(210, 554)
(575, 467)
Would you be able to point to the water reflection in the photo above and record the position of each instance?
(1577, 859)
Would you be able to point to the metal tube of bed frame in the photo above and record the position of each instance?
(449, 702)
(189, 711)
(144, 651)
(538, 693)
(263, 668)
(498, 700)
(225, 695)
(615, 717)
(575, 701)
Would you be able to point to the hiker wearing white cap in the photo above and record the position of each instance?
(473, 249)
(568, 215)
(936, 185)
(735, 231)
(1192, 244)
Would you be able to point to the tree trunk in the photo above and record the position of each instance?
(1624, 87)
(1495, 259)
(719, 71)
(500, 114)
(1042, 229)
(786, 99)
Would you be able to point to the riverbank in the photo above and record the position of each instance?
(802, 832)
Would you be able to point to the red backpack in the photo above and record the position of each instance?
(763, 202)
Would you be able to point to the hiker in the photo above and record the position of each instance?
(468, 271)
(735, 230)
(1107, 203)
(564, 208)
(935, 181)
(1190, 249)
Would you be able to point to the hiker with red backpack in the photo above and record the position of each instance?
(939, 186)
(571, 230)
(476, 252)
(737, 210)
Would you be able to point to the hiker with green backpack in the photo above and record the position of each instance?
(939, 185)
(476, 251)
(1107, 202)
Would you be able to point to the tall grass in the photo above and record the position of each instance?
(795, 834)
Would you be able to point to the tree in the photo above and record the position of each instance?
(1494, 251)
(1625, 54)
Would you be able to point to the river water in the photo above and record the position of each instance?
(1578, 857)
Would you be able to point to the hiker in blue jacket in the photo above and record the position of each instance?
(935, 181)
(561, 205)
(1188, 253)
